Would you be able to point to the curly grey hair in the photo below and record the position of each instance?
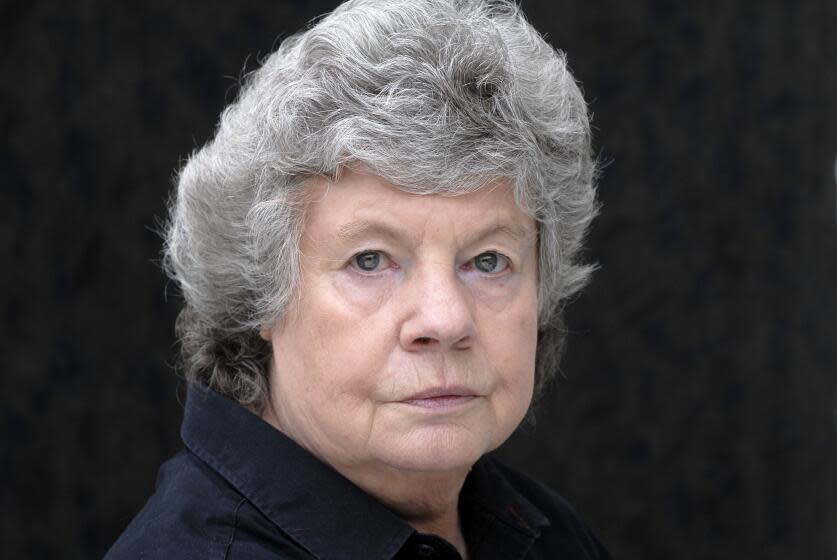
(436, 96)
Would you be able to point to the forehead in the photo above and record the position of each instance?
(358, 204)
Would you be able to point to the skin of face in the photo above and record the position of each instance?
(410, 347)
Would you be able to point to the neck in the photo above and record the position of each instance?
(429, 502)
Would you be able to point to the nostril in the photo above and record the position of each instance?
(424, 340)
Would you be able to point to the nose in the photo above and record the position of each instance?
(440, 316)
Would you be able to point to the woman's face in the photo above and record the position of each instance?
(411, 344)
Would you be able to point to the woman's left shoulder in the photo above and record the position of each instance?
(565, 527)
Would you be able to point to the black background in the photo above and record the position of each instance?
(696, 414)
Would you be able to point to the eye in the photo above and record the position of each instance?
(491, 262)
(369, 261)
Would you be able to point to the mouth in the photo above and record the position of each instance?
(441, 397)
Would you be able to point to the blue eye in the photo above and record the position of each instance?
(368, 261)
(491, 262)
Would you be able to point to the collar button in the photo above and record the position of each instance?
(424, 550)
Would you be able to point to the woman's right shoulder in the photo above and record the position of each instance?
(195, 513)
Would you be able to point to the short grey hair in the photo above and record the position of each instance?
(435, 96)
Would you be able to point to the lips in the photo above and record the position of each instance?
(441, 397)
(435, 392)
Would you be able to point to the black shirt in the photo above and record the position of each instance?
(242, 489)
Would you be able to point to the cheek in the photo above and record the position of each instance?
(358, 297)
(518, 375)
(510, 339)
(345, 336)
(516, 347)
(496, 296)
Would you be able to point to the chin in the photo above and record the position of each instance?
(437, 449)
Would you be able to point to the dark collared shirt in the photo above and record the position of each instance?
(242, 489)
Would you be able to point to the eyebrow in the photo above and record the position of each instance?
(353, 231)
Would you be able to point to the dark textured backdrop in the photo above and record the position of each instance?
(696, 419)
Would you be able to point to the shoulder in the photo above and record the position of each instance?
(188, 516)
(195, 514)
(566, 531)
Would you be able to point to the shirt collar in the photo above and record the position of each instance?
(487, 490)
(314, 504)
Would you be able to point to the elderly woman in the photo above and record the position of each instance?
(374, 253)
